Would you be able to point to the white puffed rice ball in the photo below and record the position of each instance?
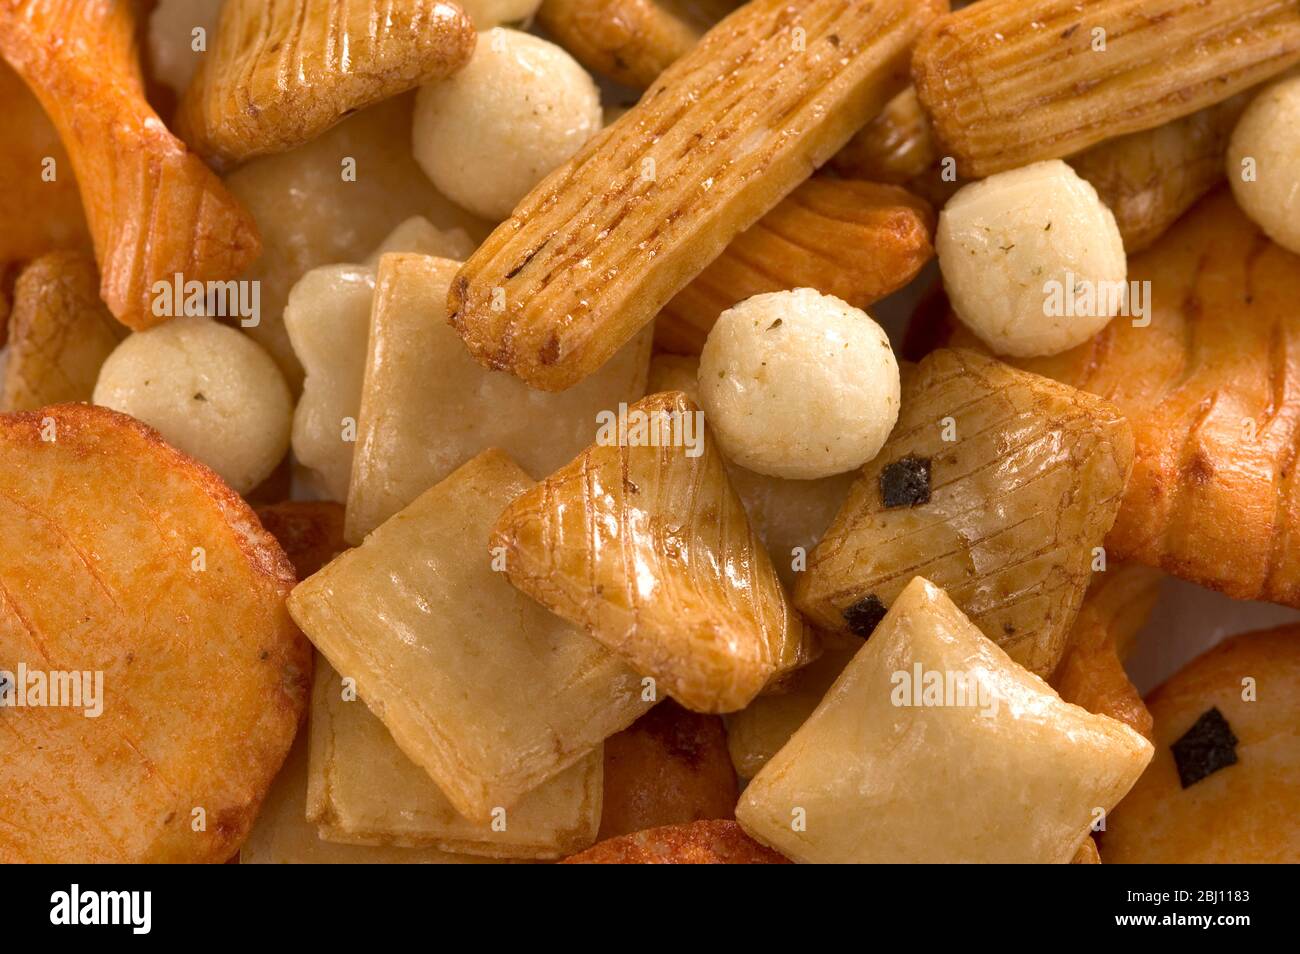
(798, 384)
(519, 109)
(209, 390)
(1032, 259)
(1264, 162)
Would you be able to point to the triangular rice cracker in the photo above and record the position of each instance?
(649, 548)
(1025, 479)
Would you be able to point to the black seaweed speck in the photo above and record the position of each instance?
(865, 615)
(906, 482)
(1209, 745)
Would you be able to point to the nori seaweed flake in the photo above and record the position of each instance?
(906, 482)
(1206, 747)
(865, 615)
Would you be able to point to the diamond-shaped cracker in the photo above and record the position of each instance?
(1022, 479)
(649, 548)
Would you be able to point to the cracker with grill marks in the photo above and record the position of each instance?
(1210, 380)
(995, 484)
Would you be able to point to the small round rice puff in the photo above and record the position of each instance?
(124, 559)
(1263, 162)
(798, 384)
(1244, 812)
(1032, 260)
(489, 134)
(211, 392)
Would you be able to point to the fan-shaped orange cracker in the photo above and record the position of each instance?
(154, 209)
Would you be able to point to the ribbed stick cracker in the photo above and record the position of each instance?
(281, 72)
(599, 246)
(1009, 82)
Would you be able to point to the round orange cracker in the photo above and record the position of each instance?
(1246, 812)
(134, 572)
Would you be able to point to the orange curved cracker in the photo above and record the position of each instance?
(39, 214)
(856, 240)
(281, 72)
(154, 208)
